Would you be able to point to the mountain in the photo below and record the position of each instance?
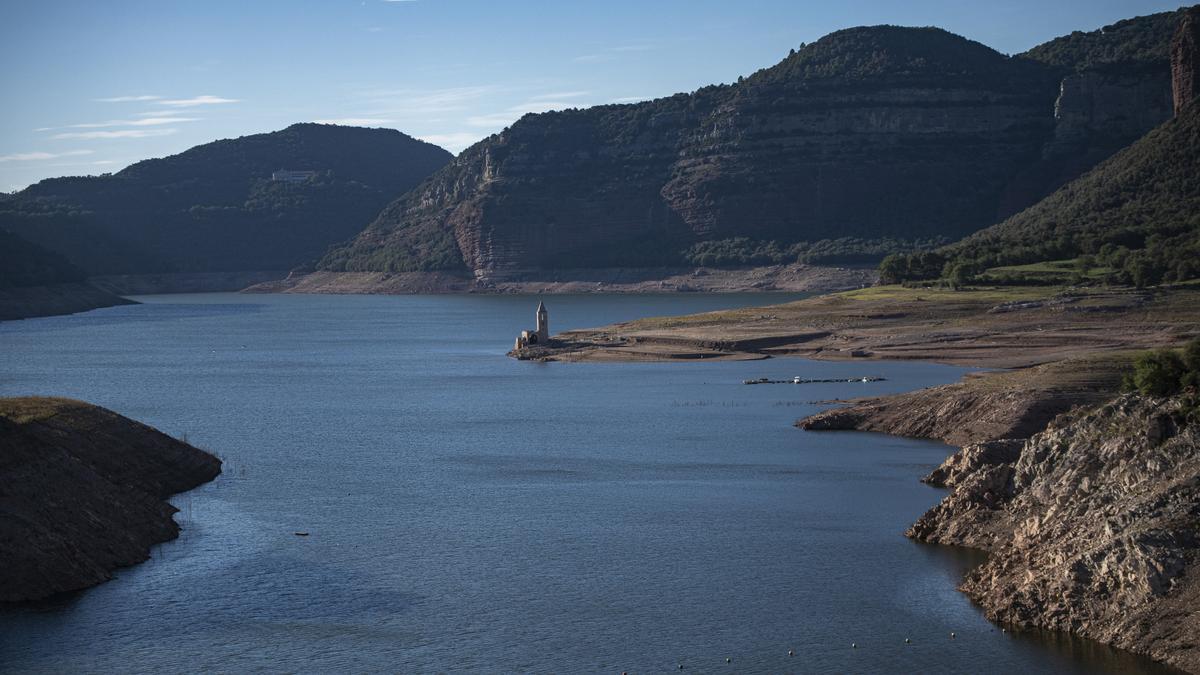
(875, 132)
(216, 207)
(1140, 206)
(1137, 213)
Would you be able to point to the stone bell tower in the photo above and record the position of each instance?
(543, 324)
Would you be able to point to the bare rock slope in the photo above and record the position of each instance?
(1093, 525)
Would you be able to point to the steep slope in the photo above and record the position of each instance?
(25, 264)
(215, 207)
(1145, 198)
(37, 282)
(82, 492)
(869, 132)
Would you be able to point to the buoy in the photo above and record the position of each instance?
(728, 660)
(907, 641)
(854, 645)
(791, 652)
(952, 635)
(681, 666)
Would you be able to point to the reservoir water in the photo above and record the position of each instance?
(468, 512)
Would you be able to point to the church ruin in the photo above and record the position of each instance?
(537, 336)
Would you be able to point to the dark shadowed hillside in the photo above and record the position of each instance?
(25, 264)
(869, 133)
(216, 207)
(1137, 214)
(37, 282)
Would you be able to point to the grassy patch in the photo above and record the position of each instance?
(993, 294)
(28, 409)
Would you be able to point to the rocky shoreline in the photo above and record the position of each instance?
(1093, 526)
(83, 492)
(1087, 501)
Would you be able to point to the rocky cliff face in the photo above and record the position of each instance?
(870, 132)
(1185, 60)
(82, 492)
(1093, 526)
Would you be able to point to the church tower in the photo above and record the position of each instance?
(543, 324)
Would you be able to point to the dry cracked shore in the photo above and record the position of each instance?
(1004, 327)
(83, 491)
(1087, 501)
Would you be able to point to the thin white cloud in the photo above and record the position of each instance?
(123, 133)
(560, 95)
(38, 156)
(493, 120)
(104, 161)
(611, 53)
(455, 142)
(161, 112)
(196, 100)
(144, 122)
(424, 101)
(126, 99)
(536, 104)
(358, 121)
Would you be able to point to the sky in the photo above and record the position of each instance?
(90, 87)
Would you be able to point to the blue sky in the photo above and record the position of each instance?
(91, 87)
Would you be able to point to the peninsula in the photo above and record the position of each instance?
(83, 492)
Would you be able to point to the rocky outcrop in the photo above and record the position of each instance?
(1093, 526)
(983, 407)
(82, 492)
(869, 132)
(1185, 60)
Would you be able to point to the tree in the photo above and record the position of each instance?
(1159, 373)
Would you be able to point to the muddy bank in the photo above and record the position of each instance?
(782, 278)
(83, 492)
(28, 302)
(1093, 526)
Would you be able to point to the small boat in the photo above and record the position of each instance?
(301, 534)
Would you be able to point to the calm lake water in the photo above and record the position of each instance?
(469, 512)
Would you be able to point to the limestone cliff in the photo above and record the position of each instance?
(82, 492)
(871, 132)
(1185, 60)
(1093, 525)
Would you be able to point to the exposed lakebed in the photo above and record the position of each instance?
(467, 511)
